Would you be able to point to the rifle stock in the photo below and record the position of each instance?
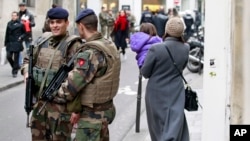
(29, 86)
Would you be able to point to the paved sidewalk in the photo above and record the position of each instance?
(7, 81)
(194, 119)
(194, 123)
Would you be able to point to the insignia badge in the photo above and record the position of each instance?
(81, 62)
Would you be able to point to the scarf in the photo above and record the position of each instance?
(121, 23)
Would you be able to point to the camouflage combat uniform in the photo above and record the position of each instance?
(103, 22)
(95, 78)
(53, 121)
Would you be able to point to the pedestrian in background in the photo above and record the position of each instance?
(28, 20)
(131, 20)
(26, 16)
(110, 23)
(165, 93)
(189, 21)
(147, 16)
(14, 35)
(141, 41)
(103, 20)
(121, 31)
(197, 22)
(94, 81)
(159, 21)
(52, 50)
(172, 12)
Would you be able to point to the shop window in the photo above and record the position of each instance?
(153, 5)
(30, 3)
(58, 2)
(111, 5)
(80, 5)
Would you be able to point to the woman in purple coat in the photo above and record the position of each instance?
(140, 42)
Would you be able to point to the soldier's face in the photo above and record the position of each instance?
(58, 26)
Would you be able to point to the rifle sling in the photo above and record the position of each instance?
(63, 43)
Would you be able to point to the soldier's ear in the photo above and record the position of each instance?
(82, 27)
(67, 22)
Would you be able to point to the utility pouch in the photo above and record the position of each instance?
(64, 126)
(75, 105)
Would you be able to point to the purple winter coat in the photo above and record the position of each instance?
(140, 43)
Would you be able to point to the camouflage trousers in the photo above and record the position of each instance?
(93, 124)
(103, 30)
(52, 124)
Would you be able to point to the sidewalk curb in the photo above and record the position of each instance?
(11, 85)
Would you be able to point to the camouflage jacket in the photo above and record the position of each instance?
(53, 41)
(85, 71)
(103, 18)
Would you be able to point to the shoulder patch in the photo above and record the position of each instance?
(82, 60)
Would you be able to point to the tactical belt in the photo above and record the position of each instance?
(99, 106)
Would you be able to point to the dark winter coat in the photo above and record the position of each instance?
(165, 96)
(188, 20)
(159, 22)
(147, 17)
(14, 35)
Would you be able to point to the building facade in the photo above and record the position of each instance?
(39, 9)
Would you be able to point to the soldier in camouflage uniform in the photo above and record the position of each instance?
(93, 82)
(52, 50)
(103, 21)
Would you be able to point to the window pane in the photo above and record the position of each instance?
(58, 2)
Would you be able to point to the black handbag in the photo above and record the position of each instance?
(191, 99)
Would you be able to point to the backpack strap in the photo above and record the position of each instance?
(42, 39)
(68, 42)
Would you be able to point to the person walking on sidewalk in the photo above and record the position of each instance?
(14, 36)
(26, 16)
(121, 31)
(103, 17)
(94, 81)
(52, 50)
(165, 93)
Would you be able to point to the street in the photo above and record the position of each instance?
(13, 116)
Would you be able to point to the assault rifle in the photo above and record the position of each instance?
(29, 86)
(50, 92)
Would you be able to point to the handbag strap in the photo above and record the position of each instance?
(180, 72)
(176, 65)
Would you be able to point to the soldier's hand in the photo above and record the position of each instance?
(25, 75)
(74, 118)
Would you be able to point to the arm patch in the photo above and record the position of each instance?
(82, 61)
